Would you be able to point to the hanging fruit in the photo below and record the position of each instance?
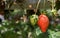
(54, 11)
(43, 22)
(33, 19)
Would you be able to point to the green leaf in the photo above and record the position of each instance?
(38, 31)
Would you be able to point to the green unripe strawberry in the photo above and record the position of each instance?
(54, 11)
(33, 19)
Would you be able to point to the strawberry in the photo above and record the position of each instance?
(43, 22)
(33, 19)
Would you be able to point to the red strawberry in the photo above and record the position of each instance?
(43, 22)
